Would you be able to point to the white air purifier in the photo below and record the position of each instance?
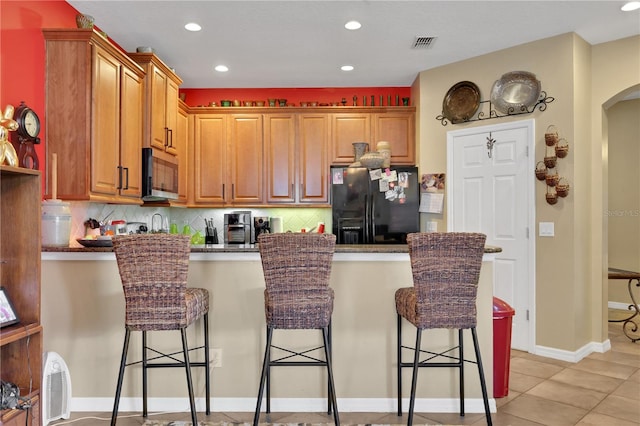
(56, 389)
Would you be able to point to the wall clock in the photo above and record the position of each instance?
(28, 131)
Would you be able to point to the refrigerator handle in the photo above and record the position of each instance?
(372, 220)
(365, 230)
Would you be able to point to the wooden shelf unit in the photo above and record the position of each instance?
(21, 343)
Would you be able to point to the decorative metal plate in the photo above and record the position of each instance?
(515, 92)
(461, 102)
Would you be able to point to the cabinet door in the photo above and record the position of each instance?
(158, 107)
(171, 116)
(346, 129)
(280, 157)
(209, 159)
(313, 164)
(399, 130)
(105, 131)
(245, 158)
(131, 134)
(180, 141)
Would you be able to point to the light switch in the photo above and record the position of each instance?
(546, 229)
(432, 226)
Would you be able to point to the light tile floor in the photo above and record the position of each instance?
(601, 390)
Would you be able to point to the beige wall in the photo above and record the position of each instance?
(624, 193)
(570, 299)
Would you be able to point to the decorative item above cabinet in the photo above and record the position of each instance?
(160, 102)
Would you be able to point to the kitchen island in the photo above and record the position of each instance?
(83, 319)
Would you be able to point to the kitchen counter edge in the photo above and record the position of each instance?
(243, 252)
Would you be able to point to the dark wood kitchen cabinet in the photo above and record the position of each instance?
(94, 96)
(161, 103)
(296, 158)
(227, 160)
(21, 343)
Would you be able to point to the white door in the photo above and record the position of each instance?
(490, 190)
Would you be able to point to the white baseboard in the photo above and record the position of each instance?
(346, 405)
(575, 356)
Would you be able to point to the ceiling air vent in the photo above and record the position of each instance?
(424, 42)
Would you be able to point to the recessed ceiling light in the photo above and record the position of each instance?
(221, 68)
(353, 25)
(347, 68)
(632, 5)
(192, 26)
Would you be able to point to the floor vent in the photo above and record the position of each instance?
(424, 42)
(56, 389)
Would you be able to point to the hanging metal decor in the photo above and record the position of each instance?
(490, 142)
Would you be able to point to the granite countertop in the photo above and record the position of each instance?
(253, 248)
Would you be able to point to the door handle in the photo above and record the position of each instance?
(126, 169)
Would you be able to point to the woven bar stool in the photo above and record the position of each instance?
(297, 268)
(153, 269)
(446, 269)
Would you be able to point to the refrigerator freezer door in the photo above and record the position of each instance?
(350, 196)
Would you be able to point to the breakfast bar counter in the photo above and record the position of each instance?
(83, 319)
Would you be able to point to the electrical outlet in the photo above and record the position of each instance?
(216, 357)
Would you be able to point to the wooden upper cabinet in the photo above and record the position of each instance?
(347, 128)
(209, 160)
(105, 131)
(161, 102)
(280, 157)
(94, 117)
(182, 136)
(245, 159)
(313, 159)
(397, 128)
(227, 160)
(296, 158)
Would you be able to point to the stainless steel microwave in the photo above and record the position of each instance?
(159, 175)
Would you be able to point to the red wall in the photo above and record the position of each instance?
(22, 54)
(202, 97)
(22, 74)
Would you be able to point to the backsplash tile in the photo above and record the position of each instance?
(293, 219)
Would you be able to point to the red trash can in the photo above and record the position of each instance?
(502, 318)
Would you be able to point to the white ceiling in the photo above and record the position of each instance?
(304, 43)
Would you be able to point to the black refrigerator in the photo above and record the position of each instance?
(374, 206)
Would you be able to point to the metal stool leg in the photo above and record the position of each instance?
(329, 397)
(483, 385)
(399, 356)
(461, 375)
(416, 361)
(207, 373)
(144, 374)
(332, 390)
(187, 366)
(123, 363)
(263, 376)
(268, 355)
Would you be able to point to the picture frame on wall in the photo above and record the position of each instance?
(8, 315)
